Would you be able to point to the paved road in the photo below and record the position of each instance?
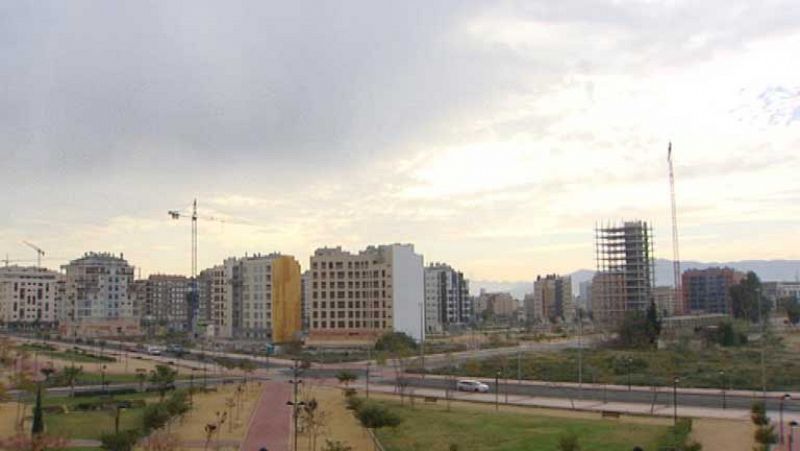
(638, 395)
(270, 426)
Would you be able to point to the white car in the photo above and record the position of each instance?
(154, 350)
(472, 385)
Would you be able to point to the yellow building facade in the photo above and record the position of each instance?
(286, 305)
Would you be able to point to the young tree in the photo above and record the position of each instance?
(346, 377)
(70, 375)
(792, 307)
(163, 377)
(746, 299)
(336, 445)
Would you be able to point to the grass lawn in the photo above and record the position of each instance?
(433, 428)
(69, 355)
(695, 367)
(90, 425)
(69, 401)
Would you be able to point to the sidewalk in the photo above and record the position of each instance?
(270, 426)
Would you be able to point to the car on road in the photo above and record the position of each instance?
(154, 350)
(472, 385)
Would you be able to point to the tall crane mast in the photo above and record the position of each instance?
(676, 258)
(176, 214)
(39, 253)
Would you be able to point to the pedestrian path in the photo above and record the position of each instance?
(270, 426)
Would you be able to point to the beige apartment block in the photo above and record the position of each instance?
(359, 297)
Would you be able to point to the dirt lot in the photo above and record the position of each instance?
(340, 424)
(723, 435)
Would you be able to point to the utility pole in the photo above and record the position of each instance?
(422, 336)
(763, 339)
(580, 354)
(294, 403)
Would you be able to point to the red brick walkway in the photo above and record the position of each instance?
(270, 425)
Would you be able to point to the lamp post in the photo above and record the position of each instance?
(366, 379)
(295, 381)
(103, 377)
(784, 398)
(628, 362)
(792, 426)
(722, 386)
(497, 391)
(675, 381)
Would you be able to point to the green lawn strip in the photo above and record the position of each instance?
(696, 368)
(70, 401)
(69, 355)
(91, 425)
(428, 428)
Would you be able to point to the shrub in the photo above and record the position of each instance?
(120, 441)
(375, 416)
(758, 413)
(569, 442)
(336, 445)
(354, 403)
(177, 404)
(766, 435)
(155, 416)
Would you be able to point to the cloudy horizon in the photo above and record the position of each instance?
(493, 136)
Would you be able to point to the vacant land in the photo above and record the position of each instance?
(712, 367)
(470, 428)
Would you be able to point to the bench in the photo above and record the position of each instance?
(610, 414)
(431, 399)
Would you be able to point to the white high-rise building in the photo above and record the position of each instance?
(447, 300)
(97, 296)
(29, 295)
(358, 297)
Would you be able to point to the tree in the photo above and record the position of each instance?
(792, 307)
(346, 377)
(70, 375)
(392, 342)
(163, 377)
(653, 324)
(637, 330)
(746, 297)
(119, 441)
(38, 420)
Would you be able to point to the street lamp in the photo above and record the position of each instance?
(722, 386)
(295, 381)
(784, 398)
(628, 362)
(367, 378)
(792, 426)
(103, 377)
(675, 381)
(497, 391)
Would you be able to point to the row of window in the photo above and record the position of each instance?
(351, 284)
(375, 273)
(349, 305)
(340, 265)
(350, 294)
(352, 314)
(348, 324)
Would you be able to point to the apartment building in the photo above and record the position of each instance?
(500, 305)
(97, 297)
(708, 290)
(29, 296)
(358, 297)
(447, 300)
(162, 302)
(552, 299)
(252, 298)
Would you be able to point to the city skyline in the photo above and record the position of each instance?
(491, 137)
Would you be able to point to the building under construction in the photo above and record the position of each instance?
(625, 270)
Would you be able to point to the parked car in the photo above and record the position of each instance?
(154, 350)
(472, 385)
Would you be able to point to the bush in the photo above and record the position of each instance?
(354, 403)
(569, 442)
(758, 413)
(109, 391)
(120, 441)
(177, 404)
(375, 416)
(335, 445)
(155, 416)
(766, 435)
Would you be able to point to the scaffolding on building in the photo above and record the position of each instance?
(624, 280)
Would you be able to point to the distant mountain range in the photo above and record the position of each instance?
(767, 270)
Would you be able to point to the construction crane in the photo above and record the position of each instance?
(175, 214)
(39, 252)
(676, 258)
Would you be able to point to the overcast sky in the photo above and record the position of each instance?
(492, 135)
